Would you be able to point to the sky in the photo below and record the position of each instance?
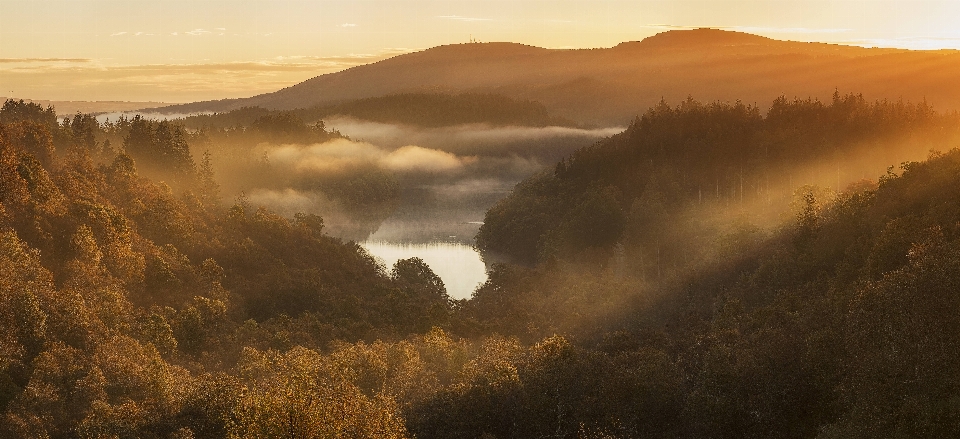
(184, 51)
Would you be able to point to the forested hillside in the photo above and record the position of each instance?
(417, 109)
(841, 323)
(704, 163)
(607, 86)
(682, 279)
(125, 300)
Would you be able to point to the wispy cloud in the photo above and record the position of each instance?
(132, 34)
(462, 18)
(348, 25)
(85, 79)
(43, 60)
(788, 30)
(351, 59)
(198, 32)
(913, 43)
(670, 26)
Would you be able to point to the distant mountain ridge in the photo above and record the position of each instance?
(613, 85)
(415, 109)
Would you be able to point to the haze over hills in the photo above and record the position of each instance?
(612, 85)
(69, 108)
(723, 270)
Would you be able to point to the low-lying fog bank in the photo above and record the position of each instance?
(396, 185)
(550, 143)
(446, 177)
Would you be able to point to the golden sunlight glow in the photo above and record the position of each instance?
(179, 51)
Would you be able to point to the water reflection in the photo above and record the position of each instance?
(457, 264)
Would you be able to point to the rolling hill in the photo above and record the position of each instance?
(613, 85)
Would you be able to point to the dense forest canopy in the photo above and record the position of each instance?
(681, 279)
(635, 185)
(417, 109)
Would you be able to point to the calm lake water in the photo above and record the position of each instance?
(459, 265)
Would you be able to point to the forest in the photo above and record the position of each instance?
(713, 271)
(419, 109)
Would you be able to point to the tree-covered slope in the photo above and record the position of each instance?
(416, 109)
(435, 110)
(840, 322)
(609, 86)
(649, 308)
(119, 295)
(702, 160)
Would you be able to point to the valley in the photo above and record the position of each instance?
(703, 234)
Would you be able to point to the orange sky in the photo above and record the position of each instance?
(181, 51)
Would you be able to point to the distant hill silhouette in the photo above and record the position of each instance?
(418, 109)
(613, 85)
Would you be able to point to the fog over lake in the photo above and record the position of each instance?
(440, 211)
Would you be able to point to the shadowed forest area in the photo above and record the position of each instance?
(419, 109)
(713, 271)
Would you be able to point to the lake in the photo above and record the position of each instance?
(459, 265)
